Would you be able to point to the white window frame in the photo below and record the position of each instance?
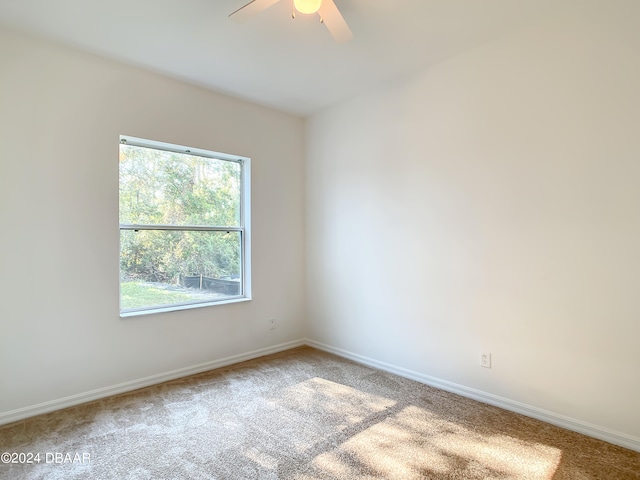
(244, 228)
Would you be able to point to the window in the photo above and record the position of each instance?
(184, 227)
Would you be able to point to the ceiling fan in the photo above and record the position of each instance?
(326, 9)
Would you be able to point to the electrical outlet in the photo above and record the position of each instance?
(485, 360)
(272, 324)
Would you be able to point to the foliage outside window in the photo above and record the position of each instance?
(184, 237)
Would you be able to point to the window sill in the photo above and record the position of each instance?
(175, 308)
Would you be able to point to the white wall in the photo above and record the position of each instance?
(492, 203)
(61, 113)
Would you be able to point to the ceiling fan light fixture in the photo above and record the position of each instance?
(307, 6)
(329, 14)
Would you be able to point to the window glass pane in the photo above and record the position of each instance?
(173, 267)
(168, 188)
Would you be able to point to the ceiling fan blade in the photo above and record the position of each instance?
(251, 9)
(335, 22)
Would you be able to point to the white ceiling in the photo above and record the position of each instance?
(291, 65)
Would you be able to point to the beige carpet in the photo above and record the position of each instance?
(302, 414)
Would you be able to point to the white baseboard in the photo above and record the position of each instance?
(70, 401)
(602, 433)
(595, 431)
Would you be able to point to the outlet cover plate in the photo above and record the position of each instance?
(485, 359)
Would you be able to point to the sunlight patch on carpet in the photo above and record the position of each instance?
(416, 443)
(333, 405)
